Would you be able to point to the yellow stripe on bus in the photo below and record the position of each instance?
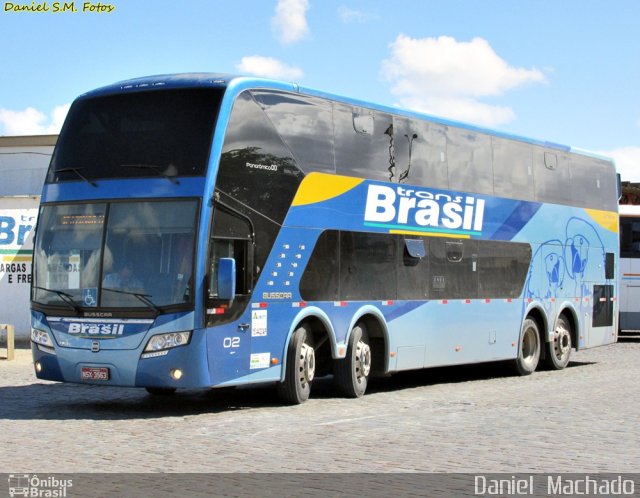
(606, 219)
(319, 187)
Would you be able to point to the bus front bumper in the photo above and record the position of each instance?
(179, 367)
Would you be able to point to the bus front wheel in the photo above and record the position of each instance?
(558, 350)
(529, 351)
(300, 368)
(352, 373)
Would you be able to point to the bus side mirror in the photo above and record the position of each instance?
(226, 276)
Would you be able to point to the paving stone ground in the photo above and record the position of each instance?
(479, 418)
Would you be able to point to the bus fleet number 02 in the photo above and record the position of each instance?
(231, 342)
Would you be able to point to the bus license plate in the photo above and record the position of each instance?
(94, 373)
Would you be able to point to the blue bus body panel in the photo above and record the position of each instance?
(118, 345)
(148, 188)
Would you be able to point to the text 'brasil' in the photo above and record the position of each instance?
(401, 208)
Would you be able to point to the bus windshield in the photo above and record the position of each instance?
(121, 254)
(162, 133)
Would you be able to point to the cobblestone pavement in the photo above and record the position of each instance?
(465, 419)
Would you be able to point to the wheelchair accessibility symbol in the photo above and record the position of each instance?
(91, 297)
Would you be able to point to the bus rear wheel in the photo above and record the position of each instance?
(352, 373)
(529, 351)
(300, 369)
(558, 350)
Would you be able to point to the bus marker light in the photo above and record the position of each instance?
(274, 361)
(392, 354)
(176, 373)
(513, 344)
(458, 349)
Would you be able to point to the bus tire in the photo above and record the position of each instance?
(300, 369)
(558, 350)
(161, 391)
(529, 348)
(352, 372)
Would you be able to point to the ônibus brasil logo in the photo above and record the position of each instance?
(41, 487)
(407, 209)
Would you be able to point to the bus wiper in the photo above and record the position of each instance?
(77, 172)
(64, 297)
(142, 297)
(153, 167)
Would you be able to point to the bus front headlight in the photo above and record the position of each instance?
(41, 337)
(161, 342)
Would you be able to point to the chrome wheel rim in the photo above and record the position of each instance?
(529, 347)
(363, 361)
(306, 364)
(561, 343)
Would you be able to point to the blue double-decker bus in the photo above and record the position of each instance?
(204, 230)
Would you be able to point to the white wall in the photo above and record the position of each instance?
(23, 164)
(17, 222)
(23, 167)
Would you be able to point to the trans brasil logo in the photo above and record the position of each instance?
(405, 209)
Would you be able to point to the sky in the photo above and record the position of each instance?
(564, 71)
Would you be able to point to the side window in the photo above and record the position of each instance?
(229, 248)
(232, 237)
(593, 183)
(512, 169)
(551, 175)
(453, 267)
(413, 268)
(420, 153)
(305, 124)
(629, 237)
(256, 168)
(502, 268)
(469, 161)
(320, 279)
(257, 175)
(367, 266)
(368, 151)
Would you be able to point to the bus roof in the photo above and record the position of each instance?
(240, 83)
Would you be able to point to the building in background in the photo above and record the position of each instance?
(23, 166)
(630, 256)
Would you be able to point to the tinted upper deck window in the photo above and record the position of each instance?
(162, 133)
